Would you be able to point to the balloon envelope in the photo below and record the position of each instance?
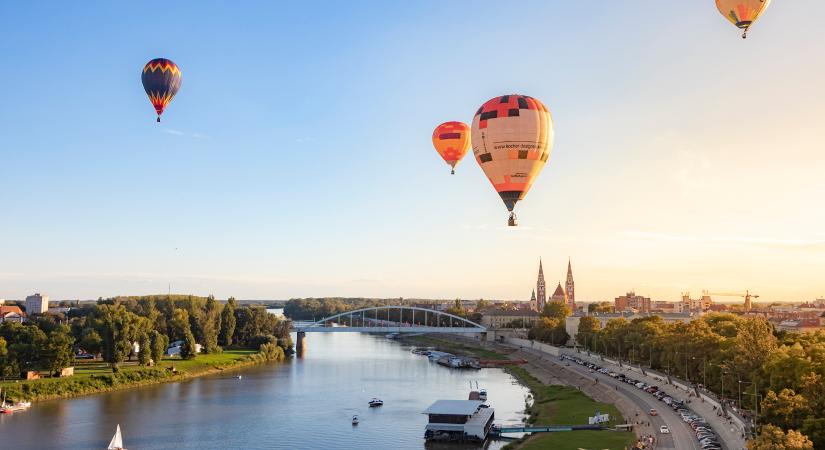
(742, 13)
(161, 80)
(452, 140)
(512, 137)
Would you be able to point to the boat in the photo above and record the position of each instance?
(355, 420)
(376, 402)
(482, 394)
(239, 377)
(117, 441)
(23, 405)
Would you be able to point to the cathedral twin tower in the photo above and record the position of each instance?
(566, 295)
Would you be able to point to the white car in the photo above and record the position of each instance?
(664, 429)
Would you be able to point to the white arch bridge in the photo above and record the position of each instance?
(391, 319)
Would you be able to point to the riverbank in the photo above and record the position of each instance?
(456, 348)
(554, 401)
(96, 377)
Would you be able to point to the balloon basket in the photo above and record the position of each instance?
(512, 221)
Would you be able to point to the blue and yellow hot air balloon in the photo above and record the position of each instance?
(161, 80)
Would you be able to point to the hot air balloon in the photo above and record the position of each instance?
(742, 13)
(512, 138)
(451, 141)
(161, 80)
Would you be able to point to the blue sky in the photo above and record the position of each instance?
(296, 159)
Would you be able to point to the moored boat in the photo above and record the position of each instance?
(376, 402)
(355, 420)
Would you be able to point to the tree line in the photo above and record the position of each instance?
(779, 375)
(111, 327)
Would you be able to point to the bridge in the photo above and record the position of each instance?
(388, 319)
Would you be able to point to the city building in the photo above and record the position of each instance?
(459, 420)
(541, 293)
(505, 318)
(632, 302)
(690, 304)
(559, 295)
(570, 287)
(37, 304)
(800, 325)
(12, 314)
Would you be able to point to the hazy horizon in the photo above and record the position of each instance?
(296, 160)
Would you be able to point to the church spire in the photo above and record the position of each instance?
(541, 292)
(570, 287)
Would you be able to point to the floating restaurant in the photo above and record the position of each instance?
(459, 421)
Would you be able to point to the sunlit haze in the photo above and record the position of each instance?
(296, 159)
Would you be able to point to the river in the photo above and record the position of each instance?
(303, 403)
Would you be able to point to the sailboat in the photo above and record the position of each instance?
(117, 441)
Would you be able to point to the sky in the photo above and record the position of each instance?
(296, 159)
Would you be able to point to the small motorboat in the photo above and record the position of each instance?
(376, 402)
(355, 420)
(482, 394)
(117, 441)
(239, 377)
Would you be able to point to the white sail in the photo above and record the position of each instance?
(117, 440)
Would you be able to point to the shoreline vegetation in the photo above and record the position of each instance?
(96, 378)
(551, 405)
(126, 342)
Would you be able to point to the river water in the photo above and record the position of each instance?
(303, 403)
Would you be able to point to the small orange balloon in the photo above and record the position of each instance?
(452, 141)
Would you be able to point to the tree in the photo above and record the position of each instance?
(754, 345)
(118, 329)
(556, 310)
(58, 352)
(227, 322)
(600, 307)
(91, 342)
(145, 354)
(211, 325)
(814, 428)
(481, 304)
(588, 327)
(159, 344)
(786, 410)
(773, 438)
(180, 324)
(457, 309)
(189, 347)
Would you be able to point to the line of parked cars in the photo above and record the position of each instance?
(704, 433)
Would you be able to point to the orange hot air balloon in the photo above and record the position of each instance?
(512, 138)
(742, 13)
(451, 141)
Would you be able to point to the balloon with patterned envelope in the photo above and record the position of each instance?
(452, 140)
(512, 137)
(161, 80)
(742, 13)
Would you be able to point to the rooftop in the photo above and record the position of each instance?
(454, 407)
(510, 312)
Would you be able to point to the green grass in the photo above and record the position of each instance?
(94, 376)
(565, 405)
(454, 347)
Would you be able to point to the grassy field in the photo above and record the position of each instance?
(94, 376)
(565, 405)
(453, 347)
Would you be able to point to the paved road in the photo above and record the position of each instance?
(681, 435)
(729, 435)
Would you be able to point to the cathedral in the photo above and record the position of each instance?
(566, 294)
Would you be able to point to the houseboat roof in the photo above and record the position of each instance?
(454, 407)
